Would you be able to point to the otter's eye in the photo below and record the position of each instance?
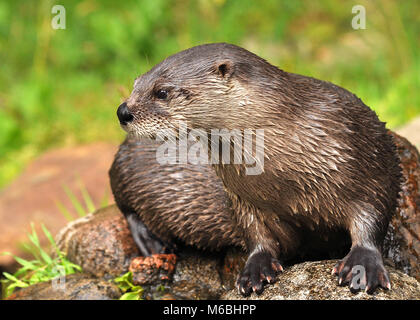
(161, 94)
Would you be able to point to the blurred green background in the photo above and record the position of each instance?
(62, 87)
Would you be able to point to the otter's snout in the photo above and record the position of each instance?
(124, 114)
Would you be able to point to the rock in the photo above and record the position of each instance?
(94, 241)
(197, 276)
(32, 196)
(402, 243)
(76, 287)
(233, 263)
(313, 281)
(149, 270)
(100, 243)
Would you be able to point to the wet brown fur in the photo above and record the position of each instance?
(184, 203)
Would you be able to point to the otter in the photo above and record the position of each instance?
(328, 166)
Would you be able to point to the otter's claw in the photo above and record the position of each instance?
(260, 268)
(362, 269)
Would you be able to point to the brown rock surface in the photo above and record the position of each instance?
(32, 196)
(75, 287)
(100, 243)
(197, 276)
(157, 267)
(313, 281)
(402, 243)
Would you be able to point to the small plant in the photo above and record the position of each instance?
(44, 267)
(130, 290)
(81, 208)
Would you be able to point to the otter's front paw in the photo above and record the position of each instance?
(259, 268)
(362, 269)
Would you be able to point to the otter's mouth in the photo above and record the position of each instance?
(138, 131)
(149, 127)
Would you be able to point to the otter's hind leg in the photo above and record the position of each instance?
(363, 267)
(145, 240)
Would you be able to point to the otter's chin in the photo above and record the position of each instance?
(140, 135)
(141, 132)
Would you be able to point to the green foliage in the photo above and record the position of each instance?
(62, 87)
(130, 291)
(43, 267)
(81, 208)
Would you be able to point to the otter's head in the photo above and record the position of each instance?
(207, 87)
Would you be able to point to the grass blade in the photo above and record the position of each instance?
(48, 235)
(75, 202)
(35, 240)
(86, 197)
(105, 200)
(66, 213)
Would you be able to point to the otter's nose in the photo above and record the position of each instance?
(124, 114)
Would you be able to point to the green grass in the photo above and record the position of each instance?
(62, 87)
(80, 208)
(43, 267)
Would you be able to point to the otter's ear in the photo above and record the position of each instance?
(225, 68)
